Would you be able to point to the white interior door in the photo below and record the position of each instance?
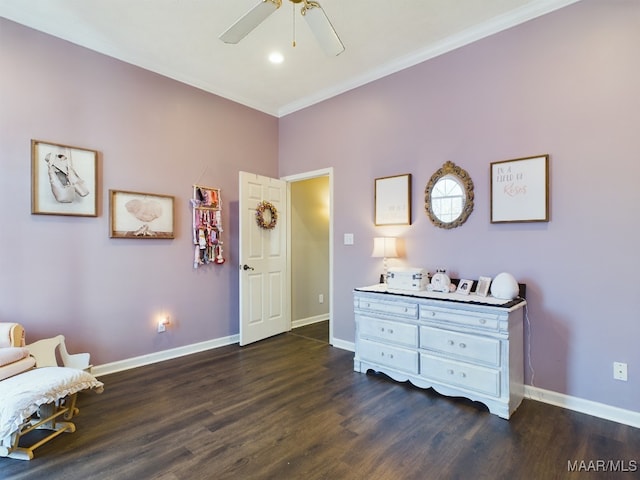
(264, 287)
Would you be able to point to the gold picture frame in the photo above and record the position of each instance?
(64, 180)
(141, 215)
(392, 198)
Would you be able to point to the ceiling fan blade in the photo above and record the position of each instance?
(322, 29)
(250, 20)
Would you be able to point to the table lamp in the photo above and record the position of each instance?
(384, 247)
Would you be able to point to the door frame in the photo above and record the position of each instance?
(324, 172)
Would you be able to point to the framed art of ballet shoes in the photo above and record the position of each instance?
(63, 180)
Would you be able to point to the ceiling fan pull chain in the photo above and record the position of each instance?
(293, 11)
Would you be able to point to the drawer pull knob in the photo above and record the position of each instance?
(382, 329)
(450, 342)
(483, 321)
(463, 345)
(433, 314)
(391, 331)
(450, 372)
(463, 375)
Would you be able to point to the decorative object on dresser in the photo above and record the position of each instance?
(440, 282)
(505, 286)
(459, 345)
(384, 247)
(407, 278)
(482, 288)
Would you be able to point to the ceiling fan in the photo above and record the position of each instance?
(311, 11)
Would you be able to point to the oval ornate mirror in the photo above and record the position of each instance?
(448, 198)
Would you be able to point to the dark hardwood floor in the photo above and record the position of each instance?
(316, 331)
(292, 407)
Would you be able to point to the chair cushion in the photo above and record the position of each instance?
(15, 368)
(12, 354)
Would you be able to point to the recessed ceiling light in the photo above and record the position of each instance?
(276, 57)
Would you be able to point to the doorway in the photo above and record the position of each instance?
(310, 253)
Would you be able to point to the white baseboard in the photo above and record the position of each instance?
(309, 320)
(134, 362)
(595, 409)
(349, 346)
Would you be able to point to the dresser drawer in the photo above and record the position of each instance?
(394, 357)
(461, 345)
(398, 308)
(486, 321)
(472, 377)
(395, 332)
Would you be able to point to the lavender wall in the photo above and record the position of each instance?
(63, 274)
(565, 84)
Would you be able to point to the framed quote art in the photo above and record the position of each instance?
(393, 200)
(520, 190)
(63, 180)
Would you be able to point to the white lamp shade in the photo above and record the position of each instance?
(384, 247)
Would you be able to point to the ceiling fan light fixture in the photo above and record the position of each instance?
(250, 20)
(321, 28)
(276, 58)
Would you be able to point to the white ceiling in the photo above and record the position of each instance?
(179, 39)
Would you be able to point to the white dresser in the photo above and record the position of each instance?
(460, 345)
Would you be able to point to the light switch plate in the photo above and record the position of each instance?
(348, 238)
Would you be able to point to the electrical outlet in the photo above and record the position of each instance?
(321, 298)
(620, 371)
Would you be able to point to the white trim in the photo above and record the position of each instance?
(595, 409)
(344, 345)
(157, 357)
(309, 320)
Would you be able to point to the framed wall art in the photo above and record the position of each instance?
(141, 215)
(64, 180)
(393, 200)
(520, 190)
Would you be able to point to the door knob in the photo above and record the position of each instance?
(247, 267)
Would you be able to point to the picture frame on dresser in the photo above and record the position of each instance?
(520, 190)
(464, 286)
(482, 288)
(392, 200)
(64, 180)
